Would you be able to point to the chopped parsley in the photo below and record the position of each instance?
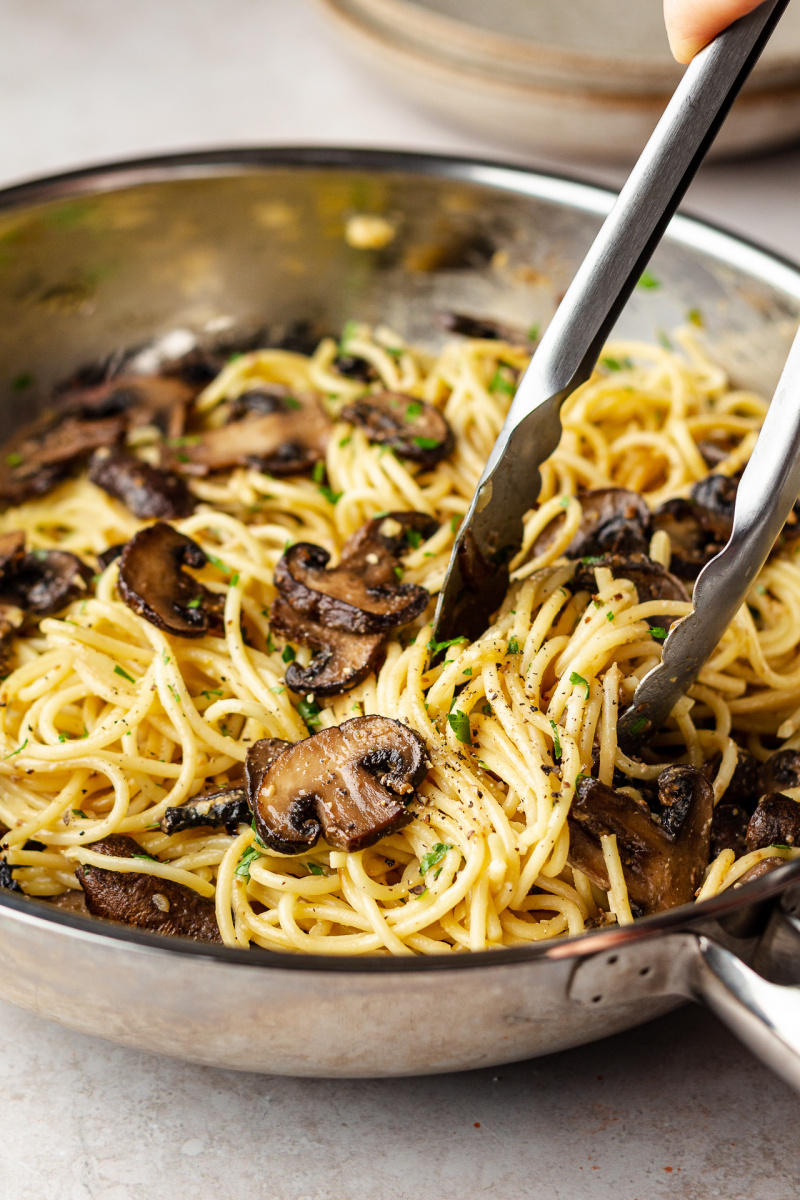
(288, 655)
(234, 579)
(499, 383)
(315, 868)
(349, 331)
(309, 711)
(242, 868)
(648, 281)
(21, 382)
(513, 646)
(17, 751)
(209, 692)
(426, 443)
(195, 603)
(331, 496)
(345, 441)
(578, 681)
(533, 332)
(143, 854)
(591, 560)
(218, 563)
(78, 812)
(414, 538)
(14, 460)
(398, 570)
(119, 671)
(664, 341)
(436, 647)
(617, 364)
(270, 641)
(454, 523)
(175, 442)
(639, 725)
(467, 671)
(414, 410)
(486, 709)
(318, 474)
(695, 317)
(556, 740)
(459, 723)
(433, 857)
(658, 631)
(291, 402)
(609, 616)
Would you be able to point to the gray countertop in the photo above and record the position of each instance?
(674, 1109)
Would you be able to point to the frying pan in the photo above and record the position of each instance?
(226, 246)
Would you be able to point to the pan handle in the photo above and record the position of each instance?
(764, 1015)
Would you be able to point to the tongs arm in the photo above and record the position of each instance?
(492, 530)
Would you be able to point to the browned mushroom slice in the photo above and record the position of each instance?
(414, 429)
(110, 554)
(260, 757)
(744, 788)
(146, 490)
(781, 770)
(649, 578)
(360, 595)
(159, 400)
(716, 450)
(12, 550)
(226, 808)
(776, 822)
(153, 583)
(341, 660)
(715, 497)
(45, 581)
(692, 543)
(158, 905)
(351, 784)
(614, 521)
(43, 454)
(275, 431)
(765, 867)
(663, 855)
(729, 829)
(483, 328)
(388, 538)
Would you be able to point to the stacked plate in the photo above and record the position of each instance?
(585, 78)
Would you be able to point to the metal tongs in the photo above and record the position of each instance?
(491, 534)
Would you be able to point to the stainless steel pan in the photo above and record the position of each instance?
(224, 243)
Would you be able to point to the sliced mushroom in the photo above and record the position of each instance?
(45, 581)
(745, 787)
(7, 881)
(158, 905)
(765, 867)
(362, 594)
(146, 490)
(780, 771)
(353, 367)
(716, 450)
(260, 757)
(715, 497)
(692, 543)
(351, 784)
(614, 521)
(225, 808)
(158, 400)
(482, 328)
(110, 554)
(776, 822)
(44, 454)
(729, 829)
(663, 854)
(153, 583)
(12, 551)
(341, 660)
(651, 580)
(414, 429)
(275, 430)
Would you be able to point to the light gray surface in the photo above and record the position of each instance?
(84, 80)
(675, 1109)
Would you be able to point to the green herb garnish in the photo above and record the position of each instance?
(315, 868)
(433, 857)
(289, 654)
(639, 725)
(657, 631)
(78, 812)
(331, 496)
(437, 647)
(242, 868)
(143, 854)
(414, 410)
(198, 600)
(648, 281)
(211, 692)
(499, 383)
(533, 332)
(513, 646)
(14, 459)
(309, 711)
(426, 443)
(459, 723)
(318, 474)
(20, 382)
(218, 563)
(119, 671)
(578, 681)
(556, 741)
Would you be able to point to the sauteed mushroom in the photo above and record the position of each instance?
(46, 580)
(44, 454)
(664, 854)
(614, 521)
(350, 784)
(270, 428)
(692, 543)
(729, 829)
(226, 808)
(715, 497)
(153, 583)
(260, 757)
(360, 595)
(146, 490)
(776, 822)
(159, 400)
(414, 429)
(649, 578)
(765, 867)
(781, 770)
(341, 659)
(134, 898)
(482, 327)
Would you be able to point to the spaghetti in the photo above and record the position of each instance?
(107, 721)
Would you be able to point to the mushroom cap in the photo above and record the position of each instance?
(651, 580)
(225, 807)
(153, 583)
(413, 428)
(43, 454)
(360, 595)
(275, 430)
(663, 855)
(45, 581)
(341, 661)
(143, 900)
(146, 490)
(781, 770)
(691, 541)
(350, 784)
(776, 822)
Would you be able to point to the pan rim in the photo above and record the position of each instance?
(696, 233)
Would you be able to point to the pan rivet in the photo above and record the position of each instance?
(645, 971)
(596, 999)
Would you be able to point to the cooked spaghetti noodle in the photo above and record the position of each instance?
(106, 721)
